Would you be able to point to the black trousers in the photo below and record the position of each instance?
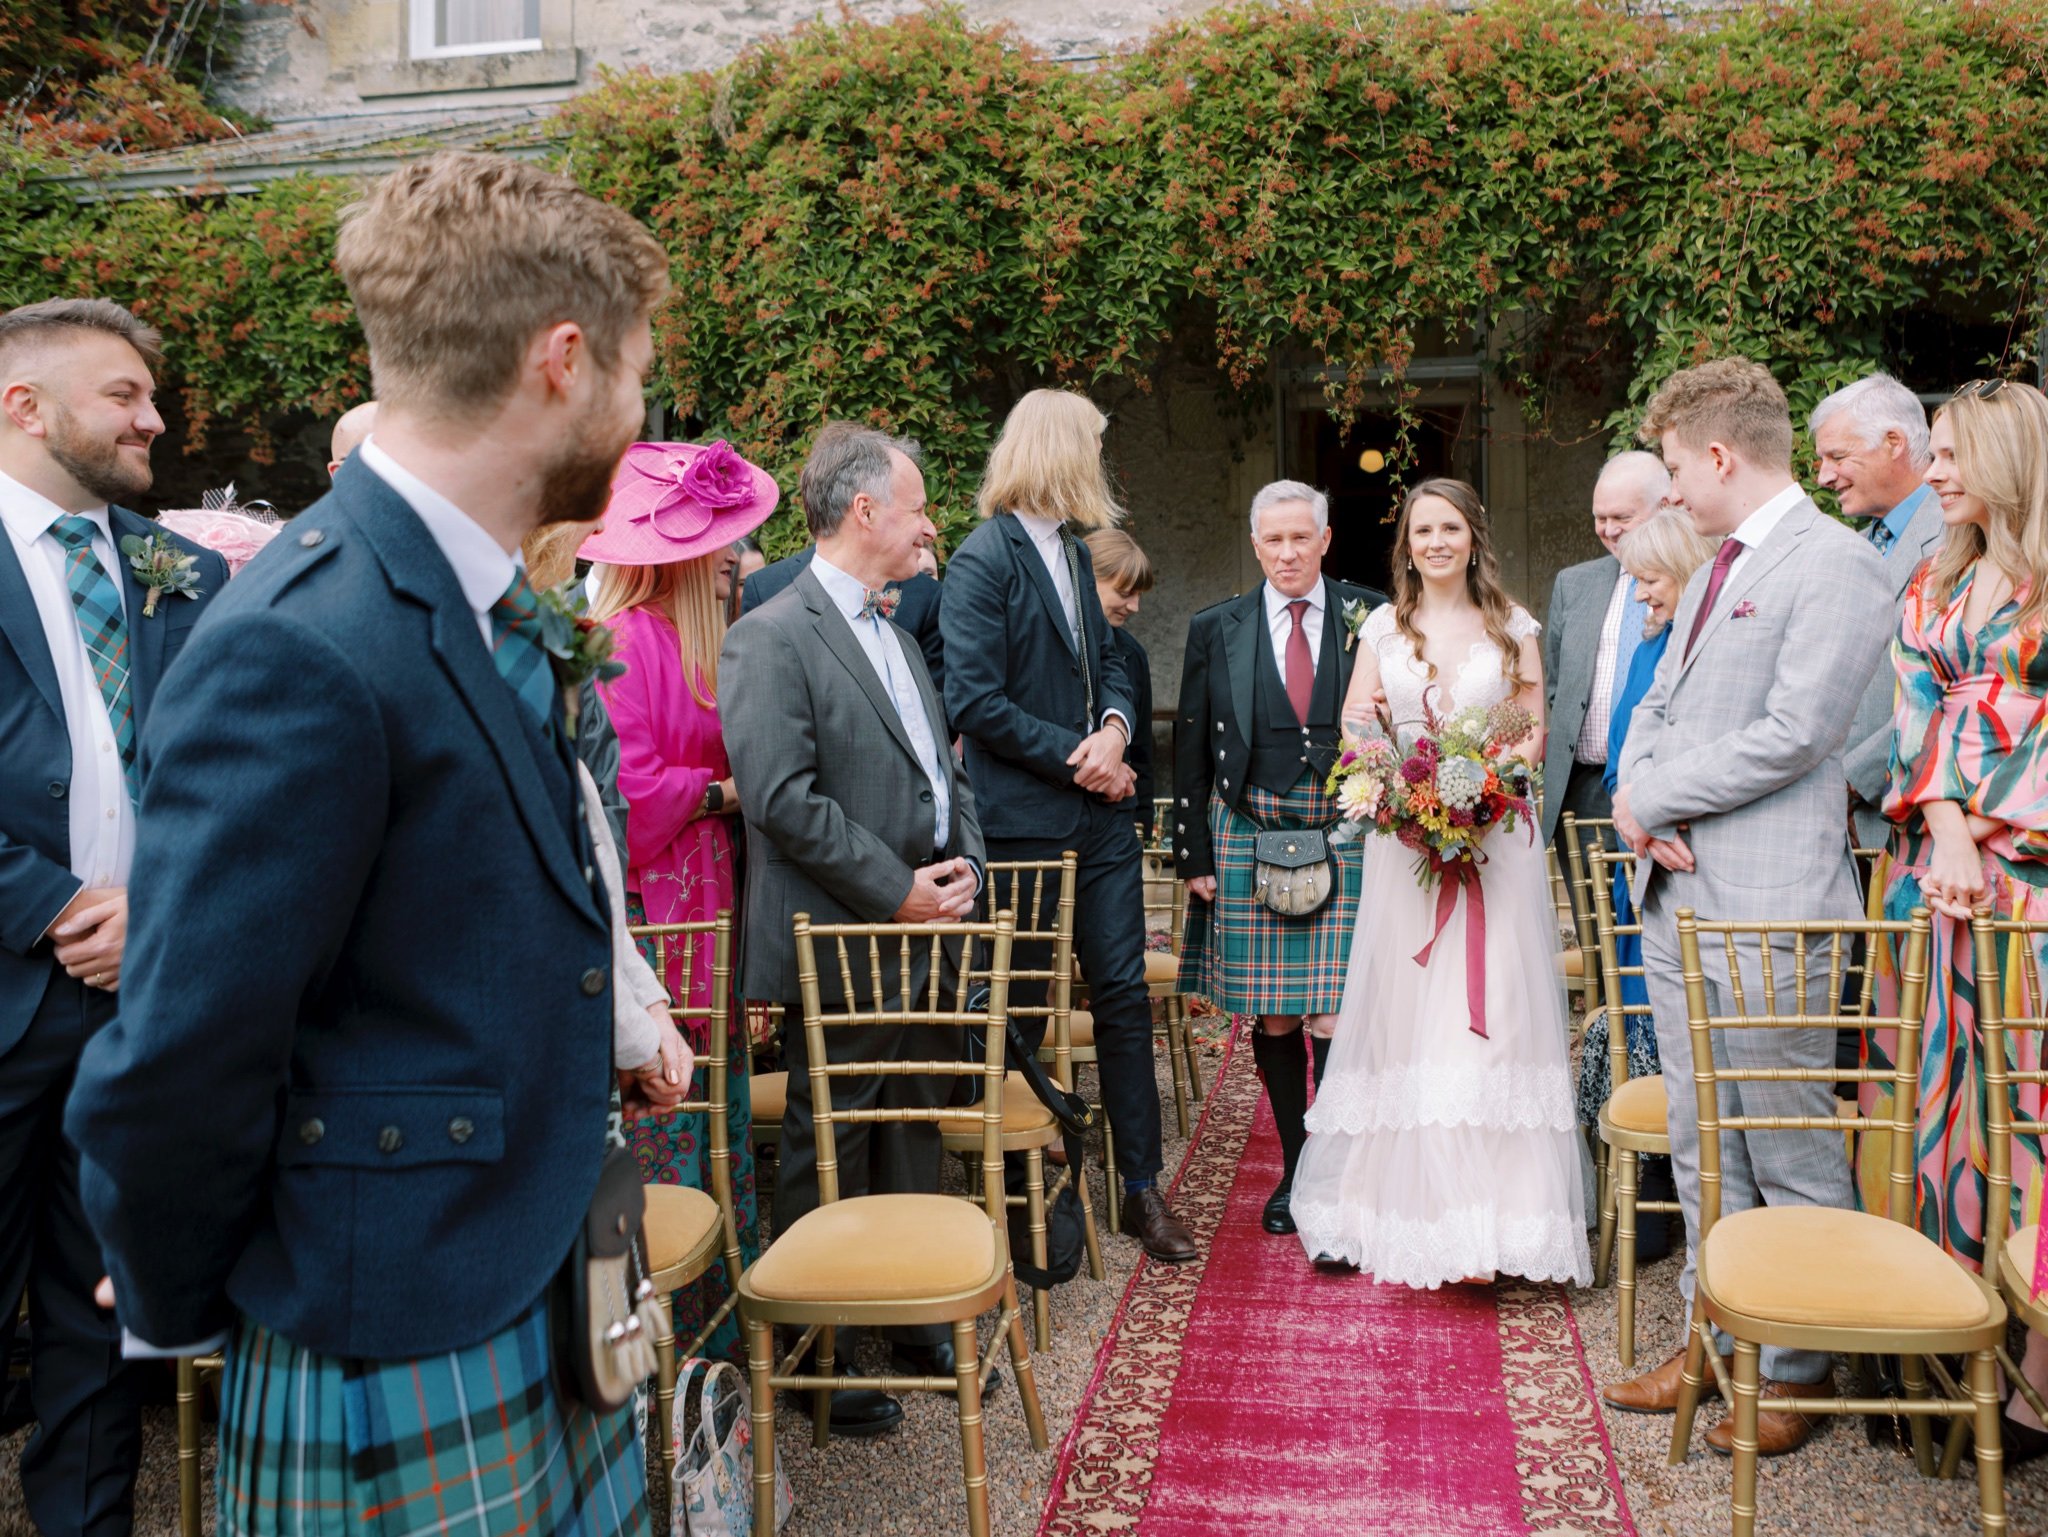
(1585, 795)
(873, 1159)
(1109, 937)
(78, 1469)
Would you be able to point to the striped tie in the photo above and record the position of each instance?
(516, 648)
(104, 630)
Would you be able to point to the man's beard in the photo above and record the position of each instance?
(577, 487)
(94, 463)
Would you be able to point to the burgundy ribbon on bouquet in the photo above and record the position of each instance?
(1464, 875)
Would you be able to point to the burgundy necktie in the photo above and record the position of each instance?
(1730, 548)
(1301, 667)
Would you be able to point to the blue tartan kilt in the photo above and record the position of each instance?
(1248, 959)
(474, 1443)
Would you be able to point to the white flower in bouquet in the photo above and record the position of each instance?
(1358, 797)
(1460, 782)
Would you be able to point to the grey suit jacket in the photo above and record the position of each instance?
(1867, 758)
(837, 809)
(1571, 646)
(1742, 741)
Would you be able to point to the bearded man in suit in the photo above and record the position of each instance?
(856, 812)
(1731, 797)
(1261, 700)
(84, 645)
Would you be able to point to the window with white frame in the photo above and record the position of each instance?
(445, 28)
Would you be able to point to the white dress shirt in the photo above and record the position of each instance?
(102, 819)
(1045, 538)
(482, 567)
(1758, 526)
(883, 645)
(1591, 746)
(1281, 624)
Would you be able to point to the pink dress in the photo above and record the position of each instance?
(680, 870)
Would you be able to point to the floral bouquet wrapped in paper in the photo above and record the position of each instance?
(1446, 790)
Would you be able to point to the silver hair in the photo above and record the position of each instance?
(1646, 470)
(1874, 405)
(846, 461)
(1291, 491)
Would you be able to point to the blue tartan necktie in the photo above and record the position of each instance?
(104, 629)
(516, 648)
(1881, 536)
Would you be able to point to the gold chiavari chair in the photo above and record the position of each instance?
(1162, 977)
(687, 1229)
(769, 1091)
(1813, 1277)
(1581, 836)
(1632, 1120)
(193, 1372)
(1040, 896)
(2012, 997)
(880, 1260)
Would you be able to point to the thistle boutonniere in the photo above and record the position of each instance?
(161, 567)
(882, 603)
(1355, 610)
(578, 647)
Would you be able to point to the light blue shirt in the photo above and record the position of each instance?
(882, 643)
(1894, 522)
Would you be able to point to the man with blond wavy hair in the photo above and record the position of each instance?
(351, 1115)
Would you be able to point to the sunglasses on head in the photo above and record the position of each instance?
(1980, 389)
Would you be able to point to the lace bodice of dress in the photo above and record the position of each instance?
(1406, 678)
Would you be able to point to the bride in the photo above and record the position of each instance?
(1436, 1154)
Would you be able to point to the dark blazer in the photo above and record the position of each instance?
(1138, 668)
(917, 613)
(838, 811)
(1212, 740)
(1571, 649)
(35, 752)
(1013, 680)
(358, 1084)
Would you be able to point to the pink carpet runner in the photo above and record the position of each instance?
(1250, 1393)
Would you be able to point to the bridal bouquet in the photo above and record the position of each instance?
(1442, 794)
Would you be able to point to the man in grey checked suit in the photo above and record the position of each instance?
(856, 812)
(1871, 440)
(1590, 634)
(1731, 784)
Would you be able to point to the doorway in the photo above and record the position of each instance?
(1356, 468)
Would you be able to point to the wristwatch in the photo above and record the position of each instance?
(714, 798)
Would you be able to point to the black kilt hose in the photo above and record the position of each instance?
(1248, 959)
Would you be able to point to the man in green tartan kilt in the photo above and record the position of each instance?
(1261, 703)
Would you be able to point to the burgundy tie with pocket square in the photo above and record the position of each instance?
(1731, 547)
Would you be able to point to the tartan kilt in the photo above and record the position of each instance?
(1250, 959)
(474, 1443)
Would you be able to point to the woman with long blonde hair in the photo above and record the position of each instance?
(1443, 1144)
(675, 510)
(1968, 794)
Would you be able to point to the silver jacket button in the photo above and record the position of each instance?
(390, 1140)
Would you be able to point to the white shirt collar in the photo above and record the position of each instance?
(1041, 529)
(848, 593)
(29, 514)
(482, 568)
(1276, 603)
(1757, 527)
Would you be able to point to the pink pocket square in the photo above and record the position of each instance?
(1744, 610)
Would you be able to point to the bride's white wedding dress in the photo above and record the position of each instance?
(1435, 1154)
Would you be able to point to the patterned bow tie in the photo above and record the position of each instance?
(881, 605)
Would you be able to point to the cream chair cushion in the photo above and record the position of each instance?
(771, 1097)
(1080, 1028)
(879, 1248)
(1836, 1269)
(1639, 1106)
(682, 1223)
(1162, 968)
(1021, 1113)
(2016, 1269)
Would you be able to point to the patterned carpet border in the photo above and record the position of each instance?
(1104, 1473)
(1565, 1464)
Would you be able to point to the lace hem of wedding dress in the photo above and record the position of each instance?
(1468, 1242)
(1503, 1097)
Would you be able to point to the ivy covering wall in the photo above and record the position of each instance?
(911, 222)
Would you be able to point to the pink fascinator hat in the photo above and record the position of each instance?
(235, 536)
(676, 501)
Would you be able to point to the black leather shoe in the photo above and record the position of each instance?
(1166, 1238)
(934, 1361)
(1277, 1218)
(856, 1412)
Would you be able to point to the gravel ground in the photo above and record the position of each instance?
(909, 1482)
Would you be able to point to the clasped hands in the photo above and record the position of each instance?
(1671, 852)
(662, 1082)
(1098, 764)
(90, 935)
(1954, 884)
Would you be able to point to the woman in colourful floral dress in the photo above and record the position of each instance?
(1969, 794)
(675, 510)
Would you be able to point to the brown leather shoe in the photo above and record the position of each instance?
(1655, 1392)
(1777, 1432)
(1165, 1237)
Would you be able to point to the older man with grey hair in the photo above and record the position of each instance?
(1261, 702)
(1594, 624)
(1871, 440)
